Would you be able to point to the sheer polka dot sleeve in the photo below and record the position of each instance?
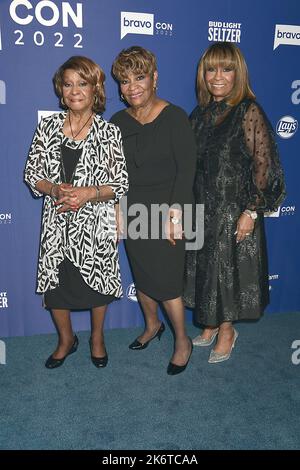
(267, 185)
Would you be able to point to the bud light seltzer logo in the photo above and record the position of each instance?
(228, 31)
(286, 127)
(3, 300)
(131, 293)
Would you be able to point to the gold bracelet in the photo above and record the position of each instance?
(97, 197)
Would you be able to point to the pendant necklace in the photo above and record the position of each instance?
(74, 136)
(71, 180)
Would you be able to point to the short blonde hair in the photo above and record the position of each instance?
(89, 71)
(136, 60)
(224, 54)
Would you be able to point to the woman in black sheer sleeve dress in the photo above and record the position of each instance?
(238, 177)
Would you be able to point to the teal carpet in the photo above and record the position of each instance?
(251, 401)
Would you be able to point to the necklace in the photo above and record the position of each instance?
(71, 179)
(74, 136)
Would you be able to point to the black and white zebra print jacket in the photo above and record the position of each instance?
(87, 237)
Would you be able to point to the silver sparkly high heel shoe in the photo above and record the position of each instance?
(215, 357)
(198, 341)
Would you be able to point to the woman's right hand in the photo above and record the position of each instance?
(63, 198)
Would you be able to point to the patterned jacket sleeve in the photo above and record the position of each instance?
(35, 169)
(118, 176)
(267, 188)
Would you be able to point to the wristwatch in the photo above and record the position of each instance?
(175, 220)
(251, 214)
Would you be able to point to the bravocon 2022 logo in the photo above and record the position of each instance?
(41, 16)
(286, 34)
(143, 23)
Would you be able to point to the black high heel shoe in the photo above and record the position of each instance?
(98, 361)
(174, 369)
(52, 363)
(136, 345)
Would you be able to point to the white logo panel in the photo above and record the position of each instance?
(131, 293)
(136, 23)
(286, 34)
(273, 213)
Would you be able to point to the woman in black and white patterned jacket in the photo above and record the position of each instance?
(76, 161)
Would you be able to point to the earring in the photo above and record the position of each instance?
(155, 87)
(63, 103)
(96, 99)
(122, 97)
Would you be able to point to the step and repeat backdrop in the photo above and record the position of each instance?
(36, 37)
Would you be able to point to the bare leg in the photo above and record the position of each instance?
(149, 307)
(63, 324)
(97, 336)
(175, 311)
(225, 338)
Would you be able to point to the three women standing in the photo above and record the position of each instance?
(76, 160)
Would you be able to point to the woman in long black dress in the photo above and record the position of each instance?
(160, 154)
(76, 161)
(238, 177)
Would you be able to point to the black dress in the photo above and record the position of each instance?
(161, 158)
(237, 168)
(72, 293)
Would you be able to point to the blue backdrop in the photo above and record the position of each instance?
(36, 37)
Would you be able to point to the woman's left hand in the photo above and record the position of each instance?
(75, 198)
(245, 226)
